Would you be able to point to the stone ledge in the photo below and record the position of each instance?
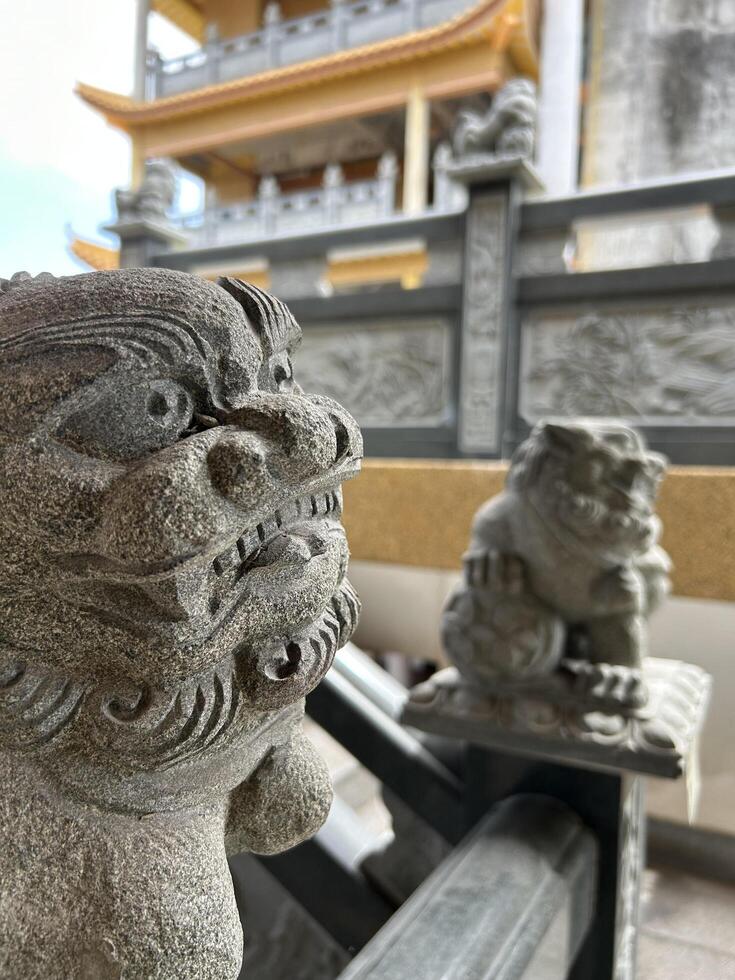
(660, 740)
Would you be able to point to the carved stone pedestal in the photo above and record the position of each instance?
(658, 739)
(594, 762)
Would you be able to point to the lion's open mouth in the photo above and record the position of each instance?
(254, 543)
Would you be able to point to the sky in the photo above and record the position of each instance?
(59, 160)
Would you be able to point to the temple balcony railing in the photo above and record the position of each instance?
(273, 213)
(286, 42)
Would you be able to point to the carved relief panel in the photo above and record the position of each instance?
(391, 374)
(655, 366)
(482, 323)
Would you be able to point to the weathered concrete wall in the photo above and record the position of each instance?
(662, 89)
(661, 103)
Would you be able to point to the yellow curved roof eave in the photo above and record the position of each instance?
(94, 256)
(478, 22)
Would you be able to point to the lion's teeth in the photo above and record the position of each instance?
(226, 561)
(250, 542)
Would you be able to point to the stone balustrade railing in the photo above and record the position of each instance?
(335, 204)
(286, 42)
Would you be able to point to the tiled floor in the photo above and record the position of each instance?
(687, 928)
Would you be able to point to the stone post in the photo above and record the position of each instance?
(142, 223)
(414, 15)
(212, 52)
(268, 192)
(172, 585)
(332, 184)
(387, 175)
(339, 24)
(551, 684)
(153, 63)
(272, 28)
(487, 352)
(448, 194)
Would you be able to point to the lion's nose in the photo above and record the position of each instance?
(237, 468)
(347, 432)
(280, 439)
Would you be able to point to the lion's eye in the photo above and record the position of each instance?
(164, 403)
(129, 419)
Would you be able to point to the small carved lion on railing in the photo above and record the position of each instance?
(154, 197)
(563, 567)
(506, 129)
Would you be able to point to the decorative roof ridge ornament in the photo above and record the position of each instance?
(172, 585)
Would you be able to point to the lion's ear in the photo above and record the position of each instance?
(270, 318)
(567, 438)
(656, 464)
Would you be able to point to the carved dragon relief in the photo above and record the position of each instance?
(388, 375)
(172, 584)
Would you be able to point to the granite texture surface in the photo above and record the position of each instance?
(172, 584)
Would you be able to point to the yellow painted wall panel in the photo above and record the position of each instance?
(419, 513)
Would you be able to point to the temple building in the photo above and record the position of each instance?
(489, 178)
(306, 115)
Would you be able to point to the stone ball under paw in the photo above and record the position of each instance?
(283, 803)
(511, 638)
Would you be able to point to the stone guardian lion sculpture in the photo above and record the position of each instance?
(172, 584)
(564, 568)
(506, 129)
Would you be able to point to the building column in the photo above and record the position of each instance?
(137, 163)
(557, 154)
(416, 153)
(142, 9)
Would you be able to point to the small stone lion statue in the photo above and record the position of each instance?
(506, 129)
(564, 567)
(154, 197)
